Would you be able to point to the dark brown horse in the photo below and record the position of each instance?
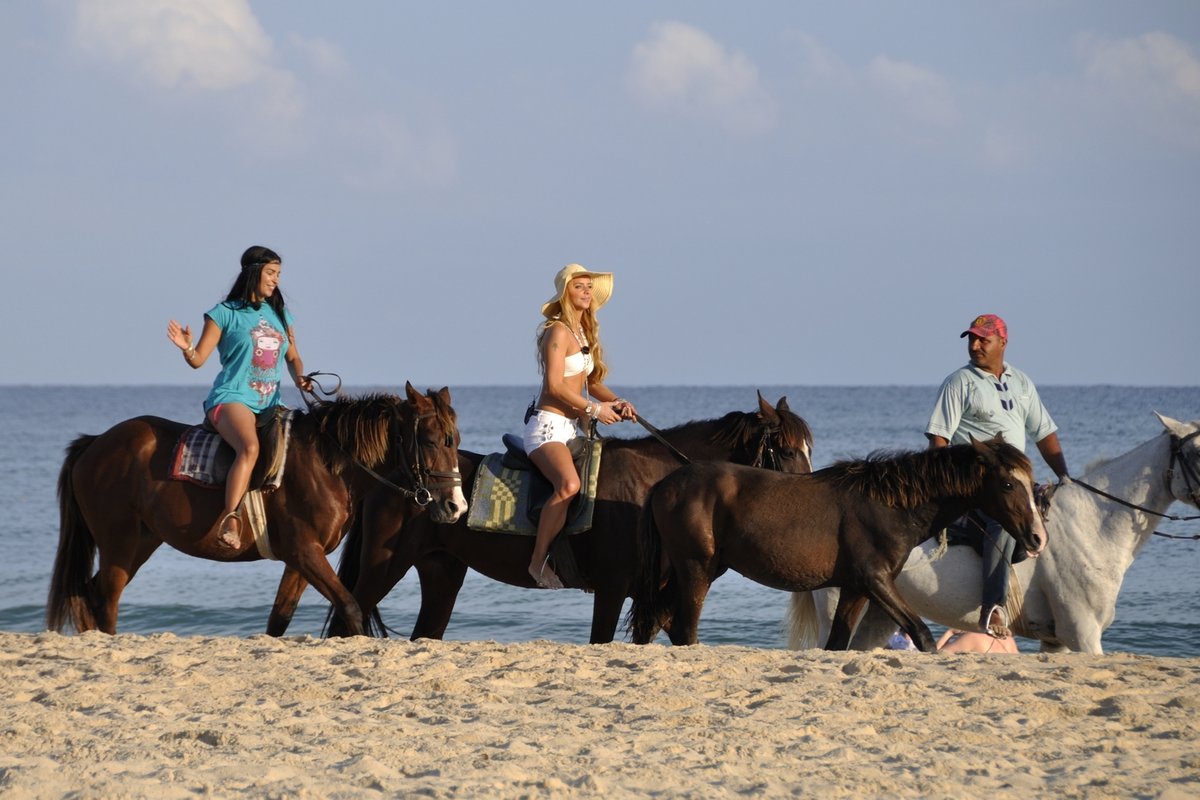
(390, 535)
(116, 497)
(851, 525)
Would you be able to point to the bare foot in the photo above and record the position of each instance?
(545, 577)
(231, 532)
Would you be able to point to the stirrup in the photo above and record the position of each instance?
(995, 630)
(543, 581)
(228, 538)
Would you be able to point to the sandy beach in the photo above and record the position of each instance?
(168, 716)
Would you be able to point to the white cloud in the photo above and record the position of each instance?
(917, 92)
(681, 69)
(325, 57)
(381, 152)
(1152, 81)
(201, 45)
(1153, 61)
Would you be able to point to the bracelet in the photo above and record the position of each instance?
(189, 354)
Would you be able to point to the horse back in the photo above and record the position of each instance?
(141, 442)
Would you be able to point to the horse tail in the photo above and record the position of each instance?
(802, 626)
(349, 566)
(649, 610)
(70, 592)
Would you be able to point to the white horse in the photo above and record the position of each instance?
(1066, 597)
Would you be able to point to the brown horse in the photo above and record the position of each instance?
(116, 497)
(851, 525)
(390, 536)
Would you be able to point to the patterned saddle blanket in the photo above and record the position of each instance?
(509, 493)
(202, 457)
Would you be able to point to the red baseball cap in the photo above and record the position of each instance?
(987, 325)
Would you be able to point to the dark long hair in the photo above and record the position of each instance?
(246, 283)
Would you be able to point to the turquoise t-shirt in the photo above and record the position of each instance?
(252, 348)
(974, 402)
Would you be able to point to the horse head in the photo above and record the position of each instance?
(786, 440)
(1007, 492)
(1185, 451)
(428, 448)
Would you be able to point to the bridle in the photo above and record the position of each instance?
(1191, 479)
(765, 456)
(1191, 474)
(419, 474)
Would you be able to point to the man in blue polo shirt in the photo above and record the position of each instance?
(980, 400)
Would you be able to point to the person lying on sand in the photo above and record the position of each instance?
(956, 641)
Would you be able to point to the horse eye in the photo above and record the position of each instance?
(1008, 486)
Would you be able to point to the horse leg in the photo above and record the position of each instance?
(884, 593)
(116, 570)
(310, 562)
(441, 579)
(849, 605)
(692, 585)
(606, 614)
(291, 585)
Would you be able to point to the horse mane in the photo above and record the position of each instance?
(744, 428)
(358, 429)
(908, 479)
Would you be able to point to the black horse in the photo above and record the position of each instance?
(851, 525)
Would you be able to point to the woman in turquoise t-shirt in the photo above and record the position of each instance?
(252, 333)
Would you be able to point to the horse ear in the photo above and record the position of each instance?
(414, 396)
(1172, 425)
(782, 405)
(767, 411)
(444, 394)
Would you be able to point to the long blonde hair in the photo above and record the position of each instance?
(568, 316)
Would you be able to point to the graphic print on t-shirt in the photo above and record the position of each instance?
(264, 365)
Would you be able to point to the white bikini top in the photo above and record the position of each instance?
(577, 363)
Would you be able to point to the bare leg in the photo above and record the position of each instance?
(236, 424)
(554, 460)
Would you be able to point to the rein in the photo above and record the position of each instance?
(1190, 477)
(765, 456)
(657, 434)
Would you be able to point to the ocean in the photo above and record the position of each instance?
(188, 596)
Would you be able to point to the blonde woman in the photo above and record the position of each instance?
(572, 365)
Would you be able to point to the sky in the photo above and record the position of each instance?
(788, 193)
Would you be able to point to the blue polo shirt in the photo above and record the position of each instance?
(974, 402)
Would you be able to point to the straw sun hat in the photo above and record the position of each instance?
(602, 283)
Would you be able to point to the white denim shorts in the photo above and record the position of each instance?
(546, 426)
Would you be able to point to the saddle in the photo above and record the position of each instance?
(202, 456)
(540, 489)
(509, 493)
